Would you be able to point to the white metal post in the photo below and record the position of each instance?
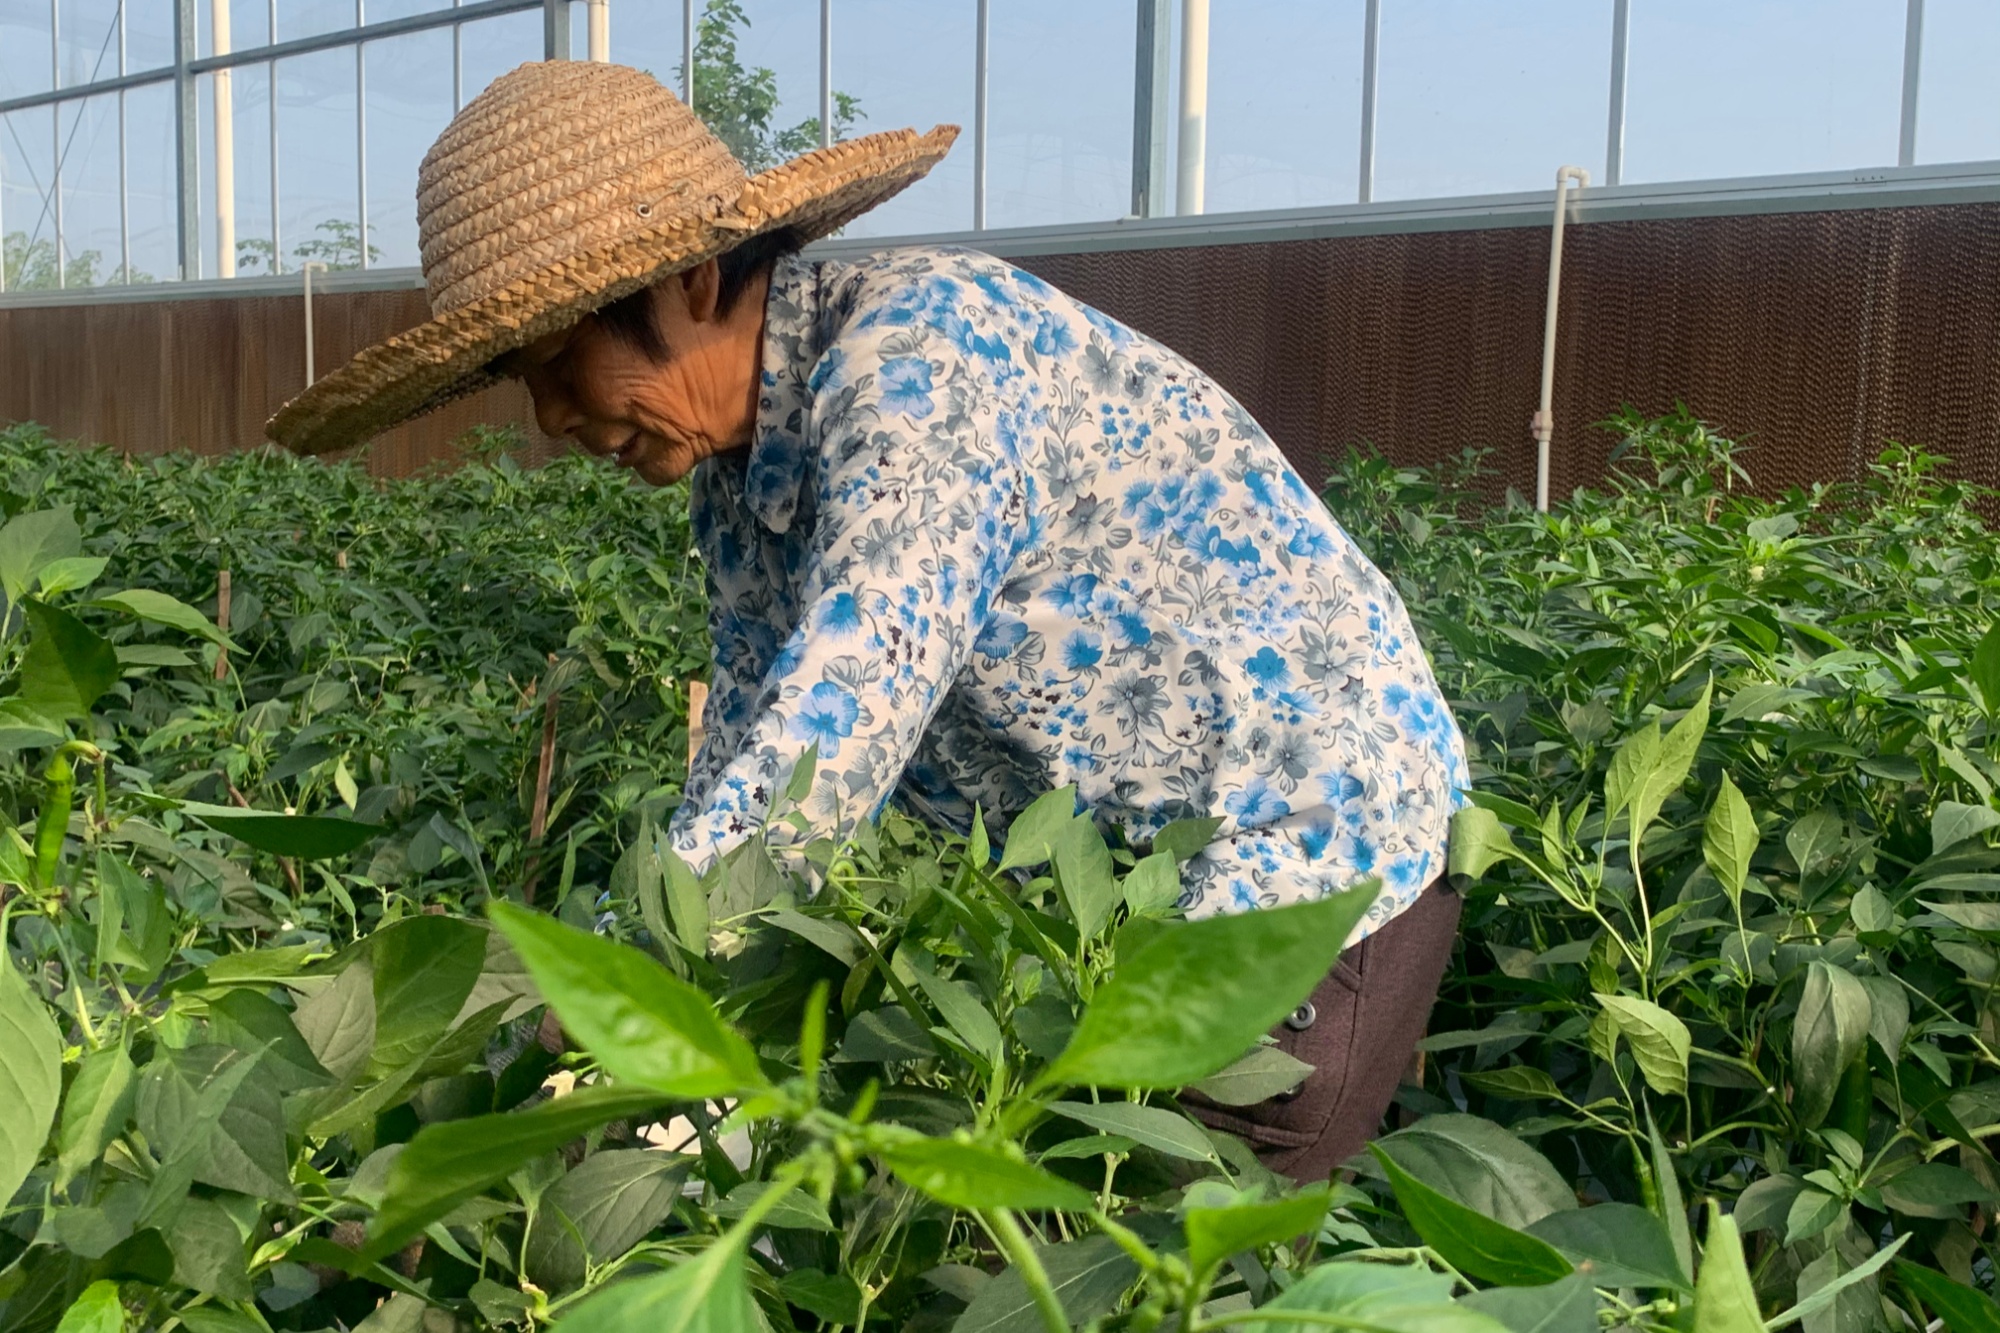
(457, 63)
(687, 53)
(1542, 424)
(1371, 42)
(1614, 134)
(979, 131)
(555, 29)
(597, 14)
(187, 153)
(55, 133)
(825, 73)
(224, 84)
(271, 82)
(124, 177)
(1913, 69)
(1190, 181)
(361, 135)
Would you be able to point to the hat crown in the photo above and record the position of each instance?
(553, 160)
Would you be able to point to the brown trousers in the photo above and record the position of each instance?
(1358, 1032)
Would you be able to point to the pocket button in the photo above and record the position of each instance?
(1302, 1017)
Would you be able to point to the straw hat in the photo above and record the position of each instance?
(562, 187)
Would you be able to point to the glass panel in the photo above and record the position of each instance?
(494, 46)
(89, 47)
(251, 155)
(1476, 98)
(149, 182)
(27, 213)
(310, 18)
(1284, 117)
(409, 104)
(1958, 117)
(379, 10)
(149, 36)
(316, 163)
(912, 68)
(24, 47)
(1755, 87)
(90, 190)
(1060, 93)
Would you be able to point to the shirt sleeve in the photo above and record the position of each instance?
(920, 514)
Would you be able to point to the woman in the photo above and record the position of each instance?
(967, 540)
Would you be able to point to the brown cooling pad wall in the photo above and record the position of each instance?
(1815, 336)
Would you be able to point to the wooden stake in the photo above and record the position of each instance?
(340, 560)
(222, 623)
(697, 706)
(538, 814)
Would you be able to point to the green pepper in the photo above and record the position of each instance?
(53, 824)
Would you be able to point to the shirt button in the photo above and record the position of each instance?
(1302, 1017)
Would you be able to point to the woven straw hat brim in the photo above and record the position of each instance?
(451, 355)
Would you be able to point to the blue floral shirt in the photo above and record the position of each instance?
(987, 541)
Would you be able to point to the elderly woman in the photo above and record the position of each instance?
(967, 539)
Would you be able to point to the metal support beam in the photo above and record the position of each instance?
(1621, 49)
(124, 174)
(457, 62)
(1153, 48)
(1913, 69)
(300, 46)
(55, 135)
(1371, 43)
(187, 152)
(271, 86)
(1191, 170)
(598, 29)
(555, 29)
(361, 135)
(825, 73)
(980, 61)
(222, 94)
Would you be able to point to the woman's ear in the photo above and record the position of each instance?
(702, 285)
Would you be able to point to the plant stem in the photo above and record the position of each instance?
(1007, 1232)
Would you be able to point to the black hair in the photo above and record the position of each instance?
(630, 318)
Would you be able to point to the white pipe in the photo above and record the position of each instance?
(687, 53)
(1371, 55)
(599, 14)
(982, 31)
(225, 145)
(1190, 181)
(1542, 425)
(825, 73)
(307, 269)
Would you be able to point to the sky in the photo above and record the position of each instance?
(1475, 96)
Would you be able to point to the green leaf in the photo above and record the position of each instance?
(1379, 1297)
(1954, 823)
(1478, 840)
(1724, 1300)
(1088, 1276)
(96, 1311)
(1184, 838)
(792, 1210)
(307, 837)
(70, 573)
(1083, 874)
(1480, 1165)
(1672, 1207)
(1469, 1241)
(424, 970)
(706, 1294)
(1669, 769)
(1514, 1083)
(1637, 756)
(1660, 1042)
(1934, 1189)
(208, 1250)
(686, 902)
(1258, 1076)
(1962, 1309)
(1729, 839)
(1568, 1306)
(1985, 669)
(95, 1111)
(1826, 1294)
(1827, 1036)
(448, 1163)
(834, 1297)
(598, 1211)
(1150, 1126)
(973, 1176)
(1616, 1245)
(835, 940)
(644, 1025)
(1214, 1234)
(135, 927)
(67, 666)
(160, 609)
(249, 1020)
(31, 1051)
(1032, 837)
(1153, 886)
(1194, 996)
(1091, 1145)
(964, 1012)
(32, 541)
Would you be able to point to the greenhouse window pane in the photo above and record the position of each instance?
(409, 104)
(251, 126)
(316, 164)
(1958, 116)
(915, 69)
(27, 204)
(24, 47)
(90, 190)
(494, 46)
(88, 50)
(1284, 103)
(1060, 97)
(149, 182)
(1476, 98)
(1760, 87)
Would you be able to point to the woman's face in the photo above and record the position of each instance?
(658, 418)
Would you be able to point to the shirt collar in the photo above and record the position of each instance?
(775, 473)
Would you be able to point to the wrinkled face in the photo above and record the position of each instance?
(657, 417)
